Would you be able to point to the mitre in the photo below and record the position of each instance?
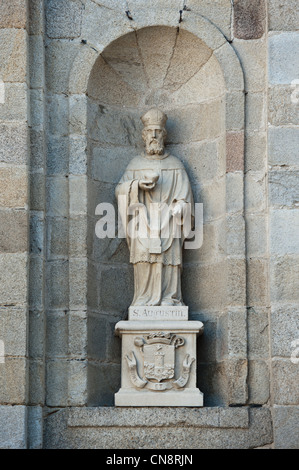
(154, 117)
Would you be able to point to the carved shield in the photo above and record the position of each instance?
(159, 361)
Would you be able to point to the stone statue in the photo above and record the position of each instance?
(157, 181)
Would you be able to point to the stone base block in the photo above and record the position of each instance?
(158, 363)
(187, 397)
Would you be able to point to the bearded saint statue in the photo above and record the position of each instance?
(155, 180)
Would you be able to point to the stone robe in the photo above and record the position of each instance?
(157, 257)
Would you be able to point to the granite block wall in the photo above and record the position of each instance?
(75, 76)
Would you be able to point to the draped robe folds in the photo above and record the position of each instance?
(156, 255)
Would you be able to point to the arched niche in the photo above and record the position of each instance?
(191, 80)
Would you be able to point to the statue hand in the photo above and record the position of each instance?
(178, 209)
(146, 185)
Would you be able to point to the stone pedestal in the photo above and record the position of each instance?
(158, 358)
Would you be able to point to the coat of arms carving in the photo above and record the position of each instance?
(158, 351)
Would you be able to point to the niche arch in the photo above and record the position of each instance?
(187, 72)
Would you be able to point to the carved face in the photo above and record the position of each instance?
(154, 140)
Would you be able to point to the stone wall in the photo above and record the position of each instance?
(75, 77)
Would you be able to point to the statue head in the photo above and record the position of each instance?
(154, 131)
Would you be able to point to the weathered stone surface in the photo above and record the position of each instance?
(188, 50)
(287, 114)
(204, 286)
(13, 331)
(219, 12)
(108, 87)
(212, 196)
(57, 237)
(13, 14)
(13, 231)
(37, 387)
(235, 235)
(80, 241)
(57, 330)
(249, 19)
(283, 57)
(236, 288)
(285, 278)
(111, 300)
(63, 18)
(78, 283)
(283, 240)
(57, 284)
(58, 118)
(255, 191)
(283, 146)
(284, 330)
(235, 112)
(257, 235)
(14, 434)
(256, 151)
(256, 112)
(125, 58)
(78, 155)
(253, 57)
(36, 17)
(258, 434)
(37, 328)
(113, 4)
(213, 244)
(257, 286)
(285, 382)
(194, 90)
(180, 129)
(258, 332)
(107, 165)
(13, 143)
(283, 15)
(57, 382)
(37, 105)
(57, 187)
(13, 55)
(237, 333)
(37, 191)
(37, 149)
(104, 382)
(15, 106)
(13, 285)
(35, 427)
(57, 156)
(13, 381)
(97, 337)
(78, 114)
(231, 67)
(78, 194)
(235, 151)
(36, 62)
(285, 427)
(284, 188)
(37, 233)
(36, 289)
(234, 189)
(77, 328)
(60, 57)
(147, 417)
(156, 58)
(237, 388)
(77, 383)
(258, 382)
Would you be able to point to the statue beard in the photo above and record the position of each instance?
(154, 147)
